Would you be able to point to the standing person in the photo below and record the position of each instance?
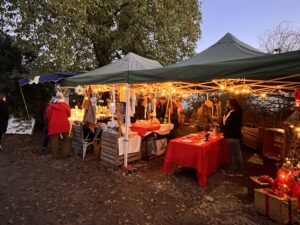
(168, 110)
(161, 109)
(140, 110)
(179, 105)
(3, 117)
(204, 119)
(231, 127)
(57, 114)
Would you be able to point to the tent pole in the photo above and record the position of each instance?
(24, 102)
(114, 104)
(127, 123)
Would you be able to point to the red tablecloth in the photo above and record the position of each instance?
(204, 157)
(143, 130)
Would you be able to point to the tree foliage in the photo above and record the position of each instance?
(12, 59)
(280, 39)
(79, 35)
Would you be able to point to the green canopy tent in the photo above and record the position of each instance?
(227, 48)
(116, 72)
(278, 69)
(267, 70)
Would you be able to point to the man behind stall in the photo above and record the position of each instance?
(163, 110)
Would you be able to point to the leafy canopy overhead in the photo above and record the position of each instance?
(79, 35)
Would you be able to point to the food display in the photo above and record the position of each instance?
(102, 110)
(77, 114)
(154, 121)
(144, 126)
(147, 123)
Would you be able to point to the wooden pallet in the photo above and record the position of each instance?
(110, 150)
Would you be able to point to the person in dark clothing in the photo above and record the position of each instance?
(4, 115)
(140, 111)
(161, 109)
(45, 141)
(174, 114)
(231, 126)
(164, 110)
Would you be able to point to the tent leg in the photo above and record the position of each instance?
(24, 102)
(127, 124)
(114, 105)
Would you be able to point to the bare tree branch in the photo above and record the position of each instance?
(280, 39)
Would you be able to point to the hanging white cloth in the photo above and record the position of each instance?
(133, 103)
(154, 106)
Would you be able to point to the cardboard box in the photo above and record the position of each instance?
(281, 209)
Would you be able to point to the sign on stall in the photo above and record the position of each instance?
(20, 126)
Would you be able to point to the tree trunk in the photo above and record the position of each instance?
(103, 56)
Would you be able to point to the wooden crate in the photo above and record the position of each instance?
(110, 150)
(274, 144)
(77, 137)
(253, 137)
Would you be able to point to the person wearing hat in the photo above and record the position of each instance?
(3, 117)
(57, 114)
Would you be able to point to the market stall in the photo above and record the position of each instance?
(256, 74)
(122, 102)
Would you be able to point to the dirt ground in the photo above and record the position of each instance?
(38, 190)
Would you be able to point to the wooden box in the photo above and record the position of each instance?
(110, 150)
(280, 209)
(253, 137)
(77, 137)
(274, 144)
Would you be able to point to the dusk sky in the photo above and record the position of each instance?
(245, 19)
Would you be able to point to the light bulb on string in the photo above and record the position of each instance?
(263, 95)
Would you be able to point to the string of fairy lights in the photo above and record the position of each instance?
(240, 86)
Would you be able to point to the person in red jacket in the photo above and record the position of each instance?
(57, 114)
